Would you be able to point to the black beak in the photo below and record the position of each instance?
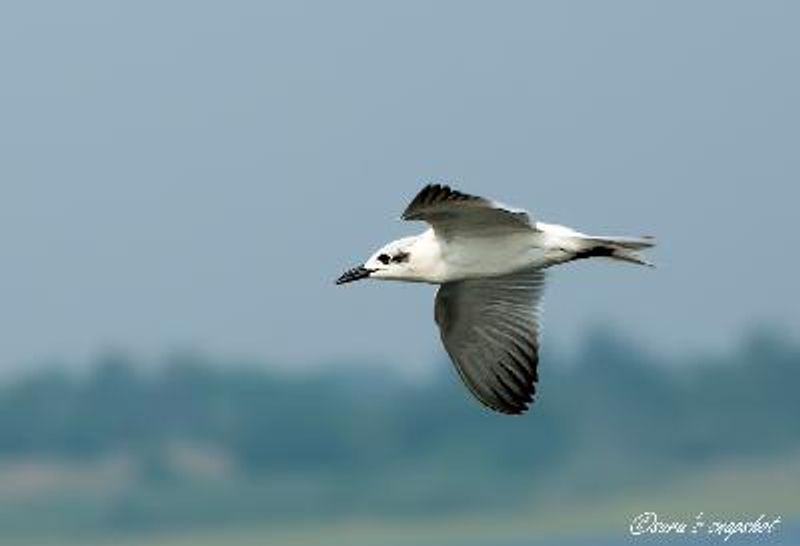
(357, 273)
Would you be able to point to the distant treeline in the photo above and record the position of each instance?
(206, 442)
(613, 397)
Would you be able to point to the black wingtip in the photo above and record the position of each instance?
(431, 194)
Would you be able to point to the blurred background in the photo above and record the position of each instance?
(181, 183)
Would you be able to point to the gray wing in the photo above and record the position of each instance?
(450, 211)
(489, 328)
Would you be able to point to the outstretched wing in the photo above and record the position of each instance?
(450, 211)
(490, 327)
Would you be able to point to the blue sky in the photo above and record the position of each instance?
(195, 175)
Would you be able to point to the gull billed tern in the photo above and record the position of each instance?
(489, 261)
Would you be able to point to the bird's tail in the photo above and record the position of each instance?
(625, 249)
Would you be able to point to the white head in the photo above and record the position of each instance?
(407, 259)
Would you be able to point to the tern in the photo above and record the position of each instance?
(489, 261)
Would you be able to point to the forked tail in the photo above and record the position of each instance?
(625, 249)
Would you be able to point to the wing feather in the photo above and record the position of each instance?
(489, 327)
(450, 211)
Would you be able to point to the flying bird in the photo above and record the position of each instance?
(489, 261)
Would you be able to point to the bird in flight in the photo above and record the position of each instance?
(489, 261)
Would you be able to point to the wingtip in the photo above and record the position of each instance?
(423, 196)
(515, 411)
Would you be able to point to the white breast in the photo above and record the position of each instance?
(492, 255)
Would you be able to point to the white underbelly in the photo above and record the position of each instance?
(493, 256)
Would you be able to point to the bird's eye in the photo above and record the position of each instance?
(384, 259)
(400, 257)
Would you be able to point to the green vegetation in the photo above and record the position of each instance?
(191, 447)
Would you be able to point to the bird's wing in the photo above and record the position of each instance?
(450, 211)
(489, 327)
